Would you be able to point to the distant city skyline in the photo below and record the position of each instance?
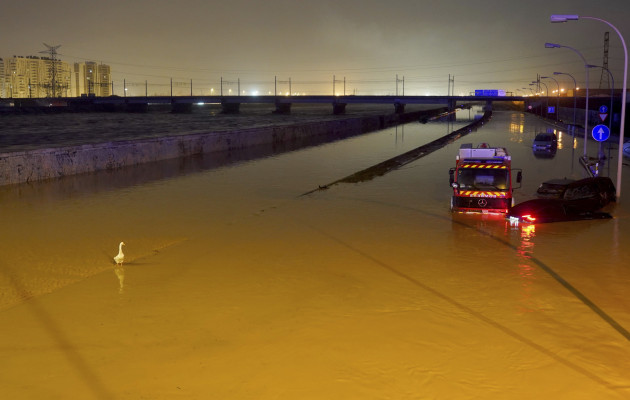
(48, 76)
(487, 44)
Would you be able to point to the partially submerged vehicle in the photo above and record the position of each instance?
(567, 200)
(545, 145)
(482, 179)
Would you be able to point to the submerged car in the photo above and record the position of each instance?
(567, 200)
(545, 140)
(545, 145)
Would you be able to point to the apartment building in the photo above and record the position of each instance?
(92, 79)
(33, 77)
(38, 77)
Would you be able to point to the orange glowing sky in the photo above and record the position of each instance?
(489, 44)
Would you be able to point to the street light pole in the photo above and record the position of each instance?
(557, 96)
(574, 90)
(537, 95)
(553, 45)
(546, 96)
(564, 18)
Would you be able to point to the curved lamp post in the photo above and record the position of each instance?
(554, 45)
(564, 18)
(557, 96)
(574, 90)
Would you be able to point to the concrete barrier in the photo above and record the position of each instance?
(42, 164)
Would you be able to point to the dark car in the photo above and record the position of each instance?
(567, 200)
(593, 192)
(552, 210)
(545, 145)
(553, 188)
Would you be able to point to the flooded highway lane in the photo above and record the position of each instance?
(238, 287)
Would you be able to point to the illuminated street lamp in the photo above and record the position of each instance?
(553, 45)
(564, 18)
(574, 90)
(557, 96)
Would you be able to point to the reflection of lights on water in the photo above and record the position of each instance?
(526, 271)
(528, 231)
(517, 124)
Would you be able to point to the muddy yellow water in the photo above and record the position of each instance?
(236, 287)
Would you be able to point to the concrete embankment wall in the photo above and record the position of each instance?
(42, 164)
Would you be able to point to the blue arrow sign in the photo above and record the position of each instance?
(603, 109)
(600, 133)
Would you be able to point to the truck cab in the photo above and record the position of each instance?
(482, 179)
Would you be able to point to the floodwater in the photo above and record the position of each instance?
(237, 286)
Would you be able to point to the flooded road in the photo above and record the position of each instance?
(236, 286)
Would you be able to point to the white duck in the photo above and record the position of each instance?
(121, 256)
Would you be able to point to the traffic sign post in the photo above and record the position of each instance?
(601, 133)
(603, 112)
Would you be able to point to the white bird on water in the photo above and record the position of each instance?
(121, 256)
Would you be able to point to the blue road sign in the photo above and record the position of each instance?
(551, 110)
(600, 133)
(603, 109)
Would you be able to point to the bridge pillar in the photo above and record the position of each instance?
(452, 104)
(181, 108)
(339, 108)
(230, 108)
(283, 108)
(399, 108)
(488, 106)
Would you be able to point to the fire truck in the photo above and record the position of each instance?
(482, 179)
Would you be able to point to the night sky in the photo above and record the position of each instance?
(484, 44)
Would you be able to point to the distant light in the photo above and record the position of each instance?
(201, 103)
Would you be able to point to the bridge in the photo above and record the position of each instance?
(231, 104)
